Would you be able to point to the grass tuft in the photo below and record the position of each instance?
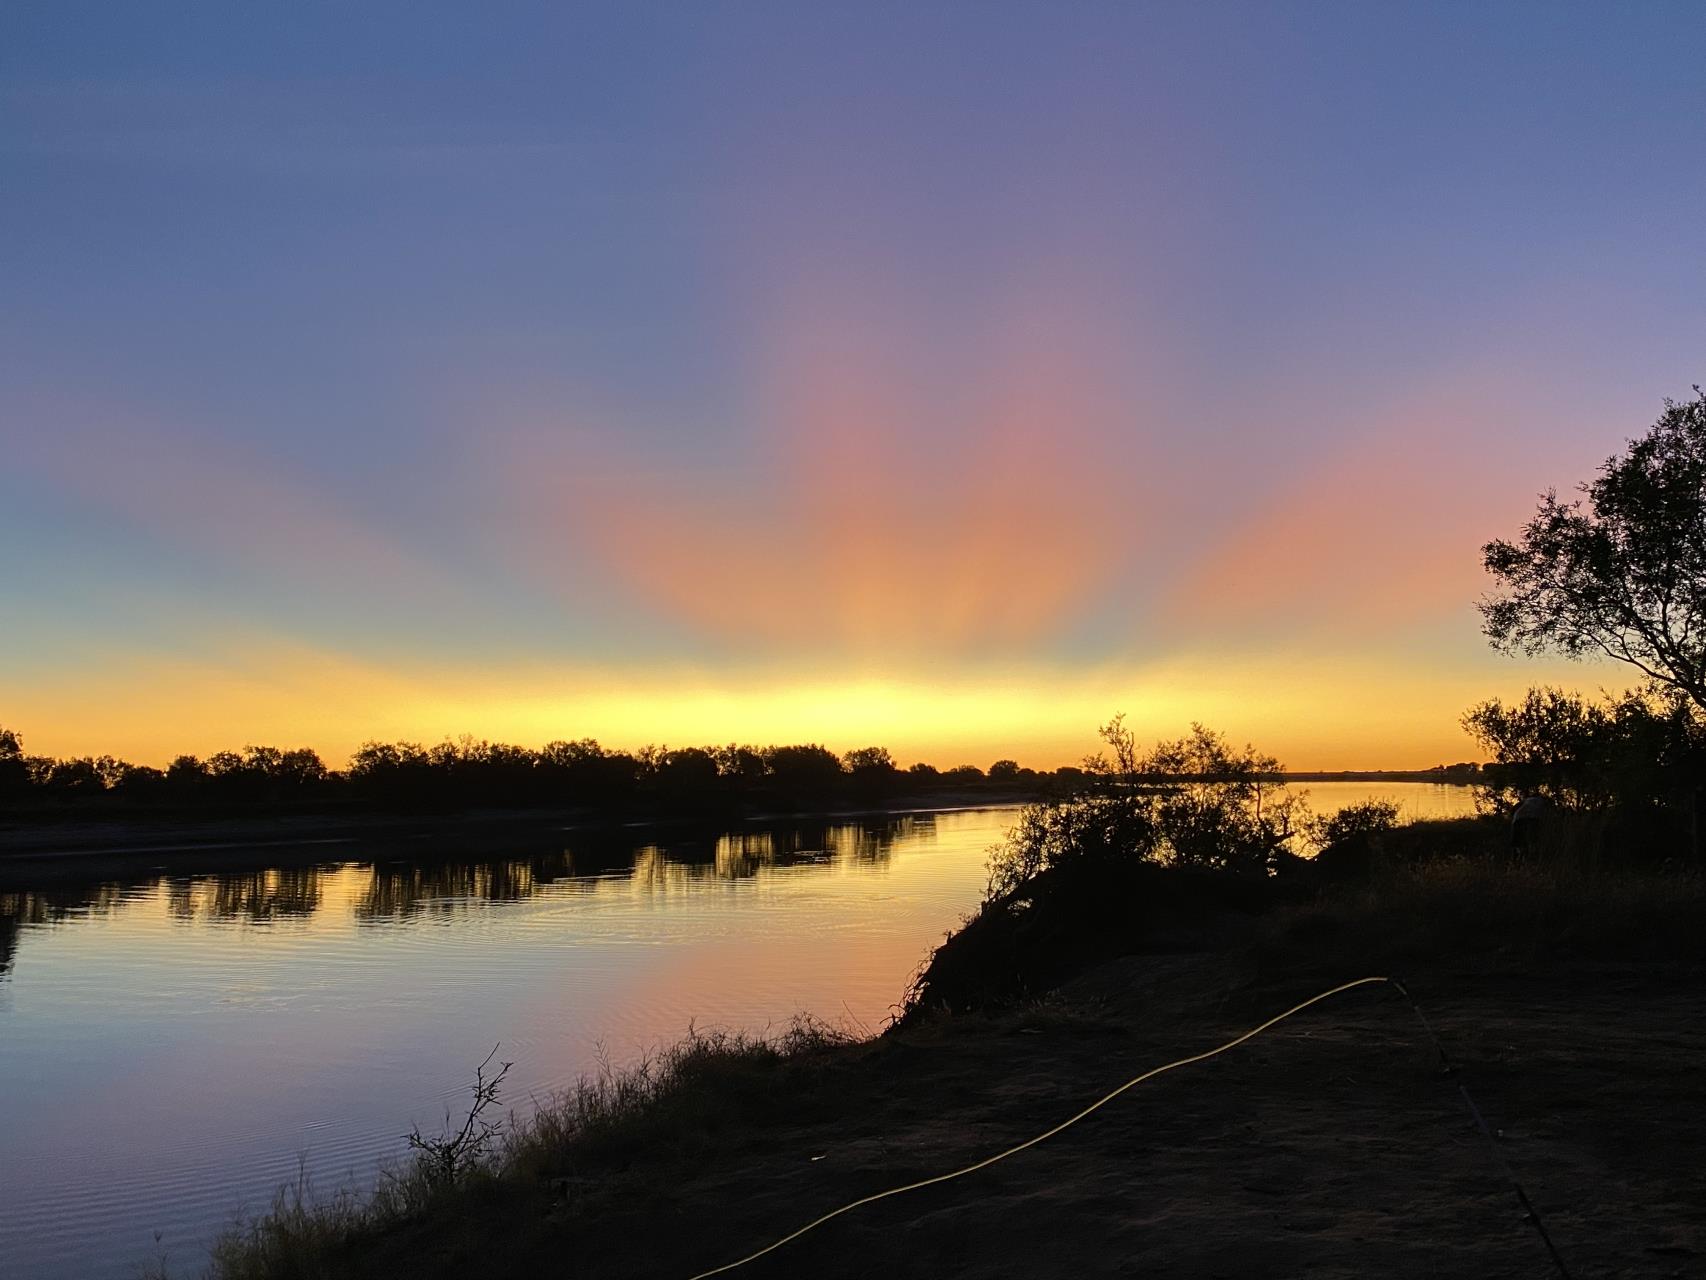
(684, 1099)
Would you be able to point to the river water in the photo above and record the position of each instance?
(173, 1048)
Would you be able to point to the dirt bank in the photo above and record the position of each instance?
(1330, 1147)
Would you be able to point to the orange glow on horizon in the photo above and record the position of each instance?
(148, 711)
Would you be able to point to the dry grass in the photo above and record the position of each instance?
(684, 1099)
(1477, 911)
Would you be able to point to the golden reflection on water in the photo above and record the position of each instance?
(375, 893)
(256, 895)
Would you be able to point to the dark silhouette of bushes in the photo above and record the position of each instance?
(1181, 845)
(1620, 771)
(1142, 848)
(472, 773)
(1348, 842)
(1076, 914)
(1195, 802)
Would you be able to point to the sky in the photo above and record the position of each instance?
(942, 376)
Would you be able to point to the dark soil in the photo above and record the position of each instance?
(1331, 1146)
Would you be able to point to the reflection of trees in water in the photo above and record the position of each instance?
(20, 907)
(397, 890)
(656, 872)
(400, 890)
(738, 857)
(273, 894)
(743, 855)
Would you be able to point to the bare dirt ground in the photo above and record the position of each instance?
(1330, 1147)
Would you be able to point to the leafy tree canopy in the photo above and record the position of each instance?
(1620, 570)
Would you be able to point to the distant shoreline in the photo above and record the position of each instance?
(62, 845)
(1434, 776)
(81, 849)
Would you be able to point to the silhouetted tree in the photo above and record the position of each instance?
(1194, 802)
(391, 772)
(14, 772)
(76, 777)
(741, 765)
(1217, 805)
(138, 782)
(686, 779)
(868, 760)
(1620, 571)
(1634, 749)
(1347, 842)
(185, 777)
(804, 775)
(872, 774)
(473, 772)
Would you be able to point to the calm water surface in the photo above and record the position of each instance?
(171, 1048)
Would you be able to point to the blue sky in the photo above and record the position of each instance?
(951, 375)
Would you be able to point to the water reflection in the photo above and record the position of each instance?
(389, 891)
(394, 886)
(21, 907)
(399, 891)
(320, 1004)
(255, 896)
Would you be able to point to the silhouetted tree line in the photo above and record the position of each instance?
(1617, 571)
(1630, 762)
(472, 773)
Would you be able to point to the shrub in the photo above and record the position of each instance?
(1193, 802)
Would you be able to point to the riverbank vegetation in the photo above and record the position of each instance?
(1175, 857)
(1188, 840)
(674, 1108)
(686, 1123)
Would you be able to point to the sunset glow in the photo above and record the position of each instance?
(956, 422)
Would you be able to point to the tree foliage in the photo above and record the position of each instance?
(470, 772)
(1356, 826)
(1196, 801)
(1621, 570)
(1586, 754)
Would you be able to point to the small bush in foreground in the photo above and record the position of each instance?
(446, 1160)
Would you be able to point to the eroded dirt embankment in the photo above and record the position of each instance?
(1330, 1147)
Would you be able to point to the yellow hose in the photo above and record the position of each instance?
(1046, 1134)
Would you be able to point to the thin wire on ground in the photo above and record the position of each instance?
(1041, 1137)
(1529, 1210)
